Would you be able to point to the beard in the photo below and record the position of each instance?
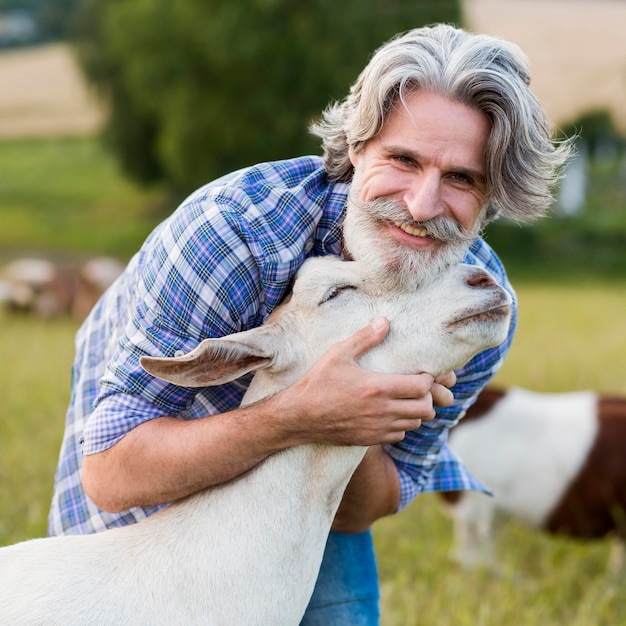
(389, 260)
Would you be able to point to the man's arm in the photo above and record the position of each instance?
(336, 402)
(374, 490)
(165, 459)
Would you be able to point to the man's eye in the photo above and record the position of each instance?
(461, 178)
(404, 160)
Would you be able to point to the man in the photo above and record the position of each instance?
(439, 134)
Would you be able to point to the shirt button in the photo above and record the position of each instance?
(179, 353)
(308, 246)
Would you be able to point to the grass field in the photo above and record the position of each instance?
(66, 196)
(34, 392)
(569, 338)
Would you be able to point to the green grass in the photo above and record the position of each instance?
(549, 581)
(569, 337)
(67, 196)
(34, 393)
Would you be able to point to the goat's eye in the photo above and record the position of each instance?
(333, 292)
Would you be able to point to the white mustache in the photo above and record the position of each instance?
(440, 227)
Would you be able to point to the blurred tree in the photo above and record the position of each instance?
(55, 19)
(597, 129)
(200, 87)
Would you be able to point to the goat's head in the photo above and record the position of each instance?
(434, 328)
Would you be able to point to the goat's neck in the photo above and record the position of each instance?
(294, 489)
(273, 523)
(280, 509)
(305, 481)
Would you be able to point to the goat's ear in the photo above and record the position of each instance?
(215, 361)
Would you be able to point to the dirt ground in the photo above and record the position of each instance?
(43, 94)
(576, 49)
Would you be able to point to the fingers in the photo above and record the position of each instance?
(366, 338)
(349, 405)
(442, 396)
(431, 392)
(447, 380)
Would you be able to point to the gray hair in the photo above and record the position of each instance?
(523, 161)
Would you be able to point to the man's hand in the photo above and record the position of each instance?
(340, 403)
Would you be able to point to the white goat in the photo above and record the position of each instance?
(248, 552)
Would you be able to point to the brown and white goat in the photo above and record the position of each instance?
(556, 461)
(248, 551)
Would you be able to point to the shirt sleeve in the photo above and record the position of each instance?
(423, 459)
(115, 416)
(197, 278)
(218, 265)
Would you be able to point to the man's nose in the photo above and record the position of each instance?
(424, 198)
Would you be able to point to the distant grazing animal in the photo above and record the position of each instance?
(557, 461)
(248, 552)
(47, 288)
(37, 286)
(92, 279)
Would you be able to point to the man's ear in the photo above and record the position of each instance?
(354, 156)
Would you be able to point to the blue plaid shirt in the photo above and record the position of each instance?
(218, 265)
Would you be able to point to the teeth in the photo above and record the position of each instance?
(413, 230)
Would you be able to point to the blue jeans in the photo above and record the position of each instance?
(346, 592)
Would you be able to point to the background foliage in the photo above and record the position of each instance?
(589, 243)
(66, 198)
(201, 87)
(55, 19)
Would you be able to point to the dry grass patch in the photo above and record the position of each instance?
(47, 95)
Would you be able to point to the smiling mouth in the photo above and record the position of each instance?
(412, 230)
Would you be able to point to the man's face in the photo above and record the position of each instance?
(419, 191)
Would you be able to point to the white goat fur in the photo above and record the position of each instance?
(248, 552)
